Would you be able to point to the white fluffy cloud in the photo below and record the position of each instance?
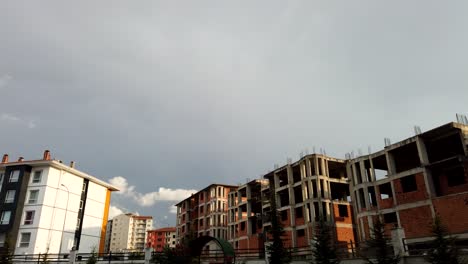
(114, 211)
(148, 199)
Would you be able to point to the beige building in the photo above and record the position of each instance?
(128, 232)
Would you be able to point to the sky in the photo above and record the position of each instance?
(163, 98)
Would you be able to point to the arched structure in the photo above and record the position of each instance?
(197, 245)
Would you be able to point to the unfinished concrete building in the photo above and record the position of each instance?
(204, 213)
(410, 182)
(245, 222)
(312, 188)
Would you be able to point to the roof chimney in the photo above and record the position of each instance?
(20, 159)
(46, 155)
(72, 164)
(5, 158)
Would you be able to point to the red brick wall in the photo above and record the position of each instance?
(336, 215)
(416, 221)
(344, 234)
(414, 196)
(453, 211)
(365, 226)
(385, 203)
(445, 189)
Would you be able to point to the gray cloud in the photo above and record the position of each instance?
(182, 96)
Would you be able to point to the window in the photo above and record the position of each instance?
(5, 218)
(301, 232)
(37, 176)
(343, 210)
(14, 176)
(408, 184)
(24, 240)
(284, 215)
(33, 195)
(10, 196)
(28, 218)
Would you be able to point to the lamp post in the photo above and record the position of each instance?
(65, 218)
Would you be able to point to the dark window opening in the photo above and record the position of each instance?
(339, 191)
(284, 198)
(337, 170)
(390, 218)
(358, 172)
(408, 184)
(455, 176)
(283, 177)
(316, 211)
(301, 232)
(385, 191)
(372, 197)
(380, 167)
(367, 171)
(296, 171)
(298, 194)
(406, 157)
(299, 212)
(284, 215)
(343, 210)
(362, 199)
(445, 147)
(314, 189)
(242, 226)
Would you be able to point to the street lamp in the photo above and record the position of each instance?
(65, 218)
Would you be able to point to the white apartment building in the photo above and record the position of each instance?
(129, 232)
(47, 206)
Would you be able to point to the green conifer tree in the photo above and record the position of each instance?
(324, 249)
(443, 249)
(379, 243)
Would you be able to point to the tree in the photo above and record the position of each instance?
(324, 249)
(278, 254)
(379, 243)
(443, 249)
(92, 258)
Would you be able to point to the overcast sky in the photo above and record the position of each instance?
(165, 98)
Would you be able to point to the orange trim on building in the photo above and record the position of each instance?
(104, 222)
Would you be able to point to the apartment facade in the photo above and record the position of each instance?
(160, 238)
(313, 188)
(204, 213)
(245, 215)
(128, 232)
(409, 183)
(47, 206)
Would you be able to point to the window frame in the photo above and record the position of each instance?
(11, 178)
(34, 179)
(10, 199)
(22, 242)
(31, 220)
(36, 198)
(2, 217)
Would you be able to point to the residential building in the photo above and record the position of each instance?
(204, 213)
(245, 221)
(409, 183)
(108, 236)
(160, 238)
(47, 206)
(128, 232)
(313, 188)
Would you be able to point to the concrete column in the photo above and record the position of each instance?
(398, 234)
(390, 163)
(147, 255)
(72, 257)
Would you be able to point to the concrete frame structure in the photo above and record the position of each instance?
(313, 188)
(410, 182)
(245, 221)
(47, 206)
(160, 238)
(128, 232)
(204, 213)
